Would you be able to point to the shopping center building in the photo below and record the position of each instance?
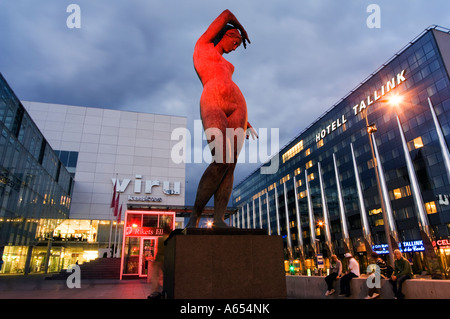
(376, 162)
(92, 156)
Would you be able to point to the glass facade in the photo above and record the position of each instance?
(325, 196)
(35, 187)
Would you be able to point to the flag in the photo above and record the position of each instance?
(113, 200)
(116, 205)
(119, 218)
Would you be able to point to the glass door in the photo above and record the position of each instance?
(147, 255)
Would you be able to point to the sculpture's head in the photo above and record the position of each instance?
(229, 40)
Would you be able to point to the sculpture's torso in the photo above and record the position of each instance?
(215, 73)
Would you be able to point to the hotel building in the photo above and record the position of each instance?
(366, 168)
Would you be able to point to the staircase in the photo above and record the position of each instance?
(100, 268)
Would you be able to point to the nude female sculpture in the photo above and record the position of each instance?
(222, 108)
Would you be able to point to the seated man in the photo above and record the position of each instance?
(402, 272)
(353, 271)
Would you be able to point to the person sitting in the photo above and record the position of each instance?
(353, 271)
(402, 272)
(336, 272)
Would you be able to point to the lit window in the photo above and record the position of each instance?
(299, 183)
(311, 177)
(285, 179)
(397, 193)
(292, 151)
(297, 171)
(431, 207)
(307, 152)
(415, 143)
(375, 211)
(379, 222)
(320, 144)
(400, 192)
(309, 164)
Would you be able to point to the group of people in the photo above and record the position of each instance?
(401, 272)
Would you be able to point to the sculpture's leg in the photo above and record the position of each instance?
(222, 197)
(207, 186)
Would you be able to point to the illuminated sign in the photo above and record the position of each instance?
(442, 243)
(331, 128)
(377, 94)
(143, 231)
(404, 247)
(411, 246)
(363, 104)
(381, 249)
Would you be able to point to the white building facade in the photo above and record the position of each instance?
(132, 148)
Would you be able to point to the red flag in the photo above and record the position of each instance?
(113, 200)
(119, 218)
(116, 205)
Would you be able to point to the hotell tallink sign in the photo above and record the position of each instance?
(146, 186)
(365, 103)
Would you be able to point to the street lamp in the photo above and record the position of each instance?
(371, 129)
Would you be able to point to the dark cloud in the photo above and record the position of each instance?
(137, 55)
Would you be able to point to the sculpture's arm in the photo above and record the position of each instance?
(226, 17)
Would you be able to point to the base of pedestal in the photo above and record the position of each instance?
(237, 264)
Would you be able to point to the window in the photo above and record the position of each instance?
(320, 144)
(400, 192)
(307, 152)
(415, 143)
(297, 171)
(311, 177)
(431, 207)
(375, 211)
(292, 151)
(309, 164)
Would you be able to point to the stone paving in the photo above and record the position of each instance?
(36, 287)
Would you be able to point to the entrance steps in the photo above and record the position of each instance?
(100, 268)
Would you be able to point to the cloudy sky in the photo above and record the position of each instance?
(136, 55)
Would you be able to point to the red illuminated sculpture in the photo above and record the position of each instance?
(223, 110)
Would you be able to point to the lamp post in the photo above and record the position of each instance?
(371, 129)
(424, 225)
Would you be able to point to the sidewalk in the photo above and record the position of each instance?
(36, 287)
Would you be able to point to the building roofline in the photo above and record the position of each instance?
(105, 108)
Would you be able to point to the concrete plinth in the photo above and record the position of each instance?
(221, 264)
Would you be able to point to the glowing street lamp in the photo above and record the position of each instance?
(389, 225)
(395, 101)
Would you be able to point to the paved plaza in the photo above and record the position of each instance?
(36, 287)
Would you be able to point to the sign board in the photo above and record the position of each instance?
(320, 261)
(143, 231)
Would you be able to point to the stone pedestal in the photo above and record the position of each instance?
(224, 264)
